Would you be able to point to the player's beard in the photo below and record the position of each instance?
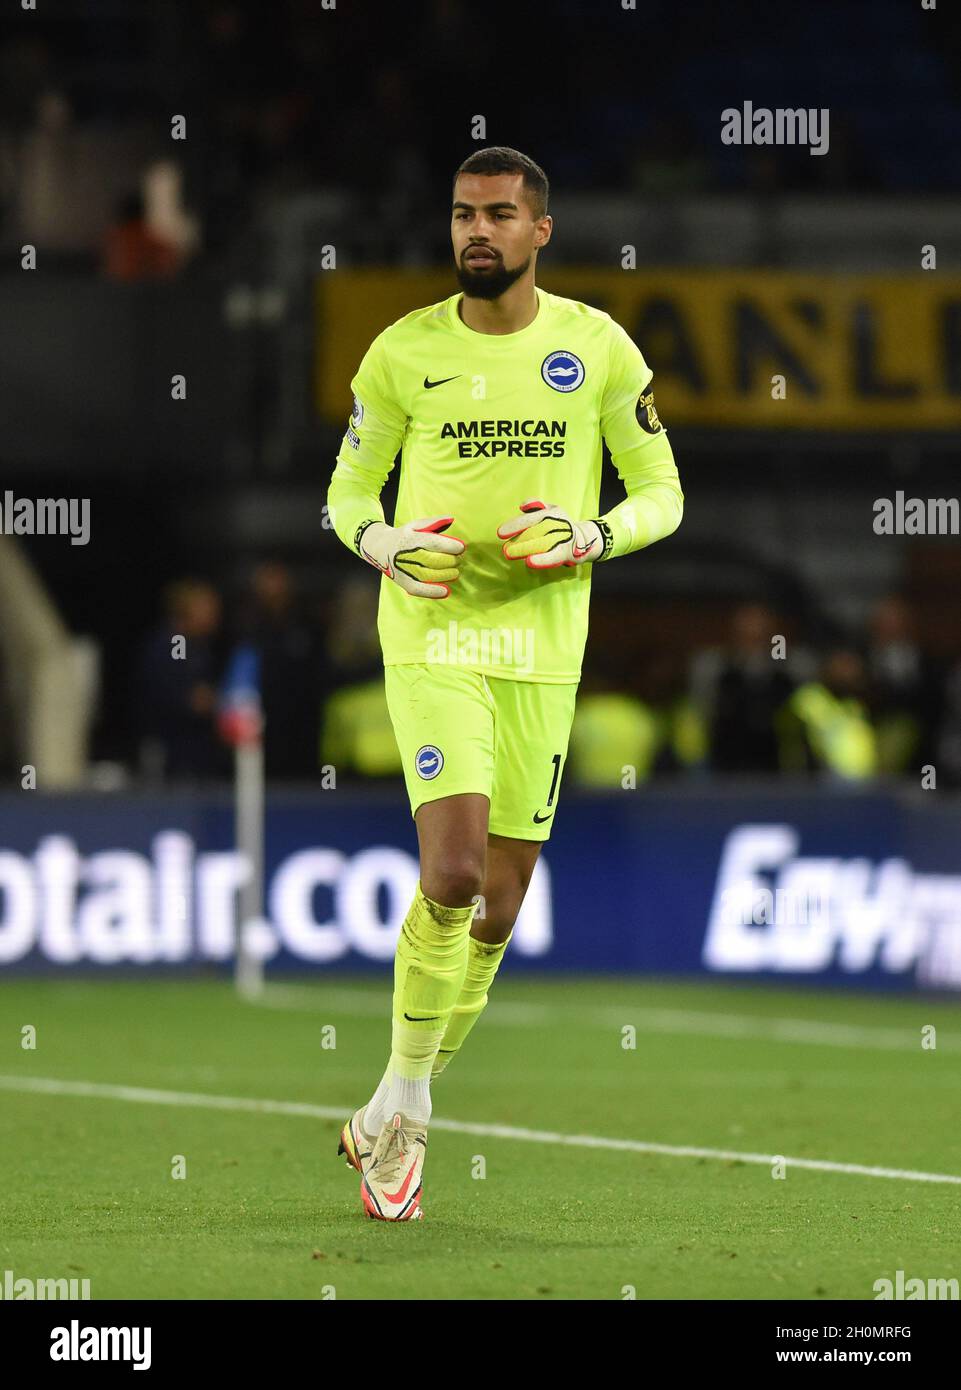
(489, 284)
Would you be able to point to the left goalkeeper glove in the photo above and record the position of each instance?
(548, 538)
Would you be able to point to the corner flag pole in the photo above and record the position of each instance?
(249, 821)
(241, 724)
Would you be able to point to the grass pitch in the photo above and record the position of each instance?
(128, 1078)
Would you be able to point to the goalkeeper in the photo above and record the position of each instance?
(498, 399)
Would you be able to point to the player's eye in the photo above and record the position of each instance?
(504, 214)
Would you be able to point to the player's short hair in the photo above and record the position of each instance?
(501, 159)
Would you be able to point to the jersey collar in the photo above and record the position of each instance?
(459, 326)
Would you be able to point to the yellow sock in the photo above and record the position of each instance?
(483, 958)
(429, 969)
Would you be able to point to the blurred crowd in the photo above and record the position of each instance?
(762, 702)
(766, 701)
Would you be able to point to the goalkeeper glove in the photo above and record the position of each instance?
(414, 555)
(548, 538)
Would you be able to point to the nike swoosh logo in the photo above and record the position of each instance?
(429, 1019)
(429, 385)
(539, 820)
(384, 569)
(579, 551)
(401, 1193)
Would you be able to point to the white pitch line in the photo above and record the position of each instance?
(795, 1030)
(511, 1014)
(144, 1095)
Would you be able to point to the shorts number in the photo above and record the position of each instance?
(556, 760)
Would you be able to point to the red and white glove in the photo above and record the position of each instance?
(546, 537)
(415, 556)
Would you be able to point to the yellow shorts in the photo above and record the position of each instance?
(460, 731)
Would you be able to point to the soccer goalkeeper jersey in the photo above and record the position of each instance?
(485, 422)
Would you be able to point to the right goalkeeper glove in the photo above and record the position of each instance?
(414, 555)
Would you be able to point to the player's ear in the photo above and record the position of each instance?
(542, 234)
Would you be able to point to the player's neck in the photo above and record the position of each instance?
(509, 313)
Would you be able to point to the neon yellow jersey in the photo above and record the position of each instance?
(484, 423)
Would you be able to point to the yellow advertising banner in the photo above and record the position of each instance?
(737, 349)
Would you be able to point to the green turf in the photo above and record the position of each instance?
(267, 1211)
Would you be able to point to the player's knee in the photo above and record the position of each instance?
(457, 882)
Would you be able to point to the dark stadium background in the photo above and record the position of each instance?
(309, 127)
